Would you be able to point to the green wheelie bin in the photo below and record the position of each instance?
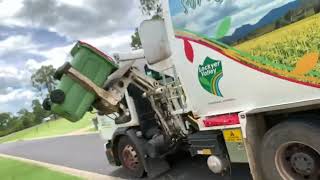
(71, 100)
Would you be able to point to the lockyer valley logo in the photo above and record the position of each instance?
(209, 74)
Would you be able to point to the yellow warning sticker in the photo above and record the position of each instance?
(204, 152)
(232, 135)
(207, 151)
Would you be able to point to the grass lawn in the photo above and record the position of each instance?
(16, 170)
(92, 129)
(51, 128)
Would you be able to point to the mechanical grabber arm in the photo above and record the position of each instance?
(113, 90)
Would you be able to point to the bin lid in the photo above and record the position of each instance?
(95, 50)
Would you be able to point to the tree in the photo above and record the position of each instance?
(135, 40)
(38, 112)
(4, 121)
(43, 78)
(26, 117)
(9, 124)
(150, 8)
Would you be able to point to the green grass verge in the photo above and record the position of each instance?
(92, 129)
(16, 170)
(52, 128)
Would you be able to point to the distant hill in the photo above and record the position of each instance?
(271, 17)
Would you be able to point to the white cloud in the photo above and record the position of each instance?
(15, 88)
(79, 20)
(11, 76)
(59, 55)
(32, 64)
(16, 99)
(10, 71)
(17, 43)
(79, 3)
(56, 56)
(9, 8)
(17, 94)
(113, 43)
(116, 42)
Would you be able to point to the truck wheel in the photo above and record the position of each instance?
(130, 158)
(291, 151)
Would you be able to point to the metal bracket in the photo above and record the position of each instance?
(89, 85)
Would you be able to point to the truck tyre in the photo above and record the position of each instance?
(130, 158)
(291, 151)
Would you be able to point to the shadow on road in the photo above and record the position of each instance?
(184, 167)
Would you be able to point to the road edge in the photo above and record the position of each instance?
(75, 172)
(49, 137)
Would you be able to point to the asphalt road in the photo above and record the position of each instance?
(85, 152)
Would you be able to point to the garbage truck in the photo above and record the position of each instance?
(234, 81)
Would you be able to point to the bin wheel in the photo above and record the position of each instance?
(46, 104)
(291, 150)
(130, 158)
(61, 70)
(57, 96)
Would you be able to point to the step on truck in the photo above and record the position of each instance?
(235, 81)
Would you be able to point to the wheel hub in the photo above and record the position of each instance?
(130, 157)
(303, 163)
(298, 161)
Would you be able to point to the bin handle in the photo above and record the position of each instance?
(90, 86)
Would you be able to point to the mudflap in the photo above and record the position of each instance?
(156, 166)
(153, 166)
(109, 154)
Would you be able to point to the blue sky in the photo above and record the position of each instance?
(175, 7)
(42, 32)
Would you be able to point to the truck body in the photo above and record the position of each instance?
(254, 56)
(237, 82)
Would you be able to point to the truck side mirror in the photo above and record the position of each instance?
(154, 40)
